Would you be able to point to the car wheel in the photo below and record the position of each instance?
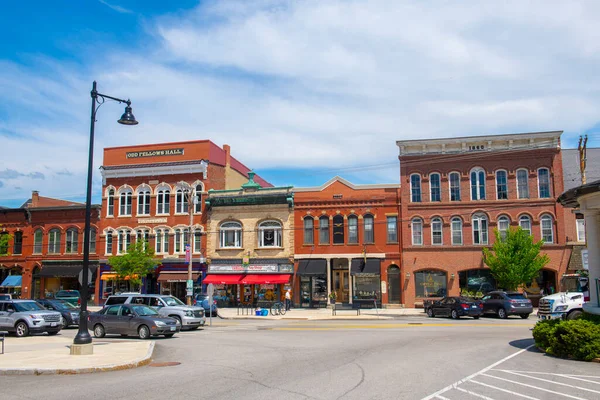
(476, 317)
(21, 329)
(99, 331)
(454, 314)
(178, 318)
(144, 332)
(430, 313)
(169, 335)
(574, 315)
(502, 313)
(524, 316)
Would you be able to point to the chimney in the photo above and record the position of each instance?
(227, 149)
(35, 198)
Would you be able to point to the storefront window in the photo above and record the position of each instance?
(367, 287)
(476, 281)
(430, 283)
(313, 291)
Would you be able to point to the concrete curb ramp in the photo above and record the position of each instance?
(107, 357)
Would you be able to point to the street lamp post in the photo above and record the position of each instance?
(82, 344)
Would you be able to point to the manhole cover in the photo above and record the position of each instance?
(164, 364)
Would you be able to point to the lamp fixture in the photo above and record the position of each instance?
(408, 275)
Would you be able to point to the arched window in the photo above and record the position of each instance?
(198, 200)
(143, 235)
(477, 184)
(525, 223)
(454, 178)
(54, 241)
(110, 202)
(501, 185)
(417, 231)
(338, 229)
(503, 226)
(18, 242)
(231, 235)
(522, 184)
(123, 241)
(143, 199)
(544, 183)
(71, 242)
(369, 233)
(457, 234)
(181, 239)
(181, 202)
(435, 191)
(92, 240)
(162, 241)
(436, 231)
(37, 241)
(197, 241)
(324, 230)
(163, 201)
(109, 242)
(309, 230)
(547, 226)
(480, 229)
(352, 229)
(415, 188)
(125, 199)
(269, 234)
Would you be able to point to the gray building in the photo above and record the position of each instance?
(571, 173)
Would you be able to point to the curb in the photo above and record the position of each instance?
(145, 360)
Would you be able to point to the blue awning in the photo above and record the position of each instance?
(12, 281)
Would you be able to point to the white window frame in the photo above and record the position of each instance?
(352, 229)
(454, 230)
(230, 226)
(524, 218)
(93, 233)
(439, 187)
(163, 201)
(580, 228)
(503, 171)
(478, 184)
(125, 208)
(308, 230)
(181, 202)
(392, 229)
(197, 245)
(110, 202)
(161, 244)
(520, 185)
(198, 200)
(108, 245)
(503, 219)
(416, 234)
(53, 243)
(544, 219)
(143, 234)
(264, 229)
(123, 241)
(38, 241)
(72, 238)
(450, 187)
(437, 226)
(369, 229)
(546, 183)
(477, 223)
(143, 201)
(324, 227)
(412, 189)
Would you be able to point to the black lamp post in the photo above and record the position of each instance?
(83, 336)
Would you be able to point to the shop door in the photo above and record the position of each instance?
(341, 285)
(394, 285)
(305, 291)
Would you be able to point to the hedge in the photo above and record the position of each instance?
(578, 339)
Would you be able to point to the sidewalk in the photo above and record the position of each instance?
(325, 314)
(41, 354)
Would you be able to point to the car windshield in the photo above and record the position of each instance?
(28, 306)
(172, 301)
(144, 311)
(466, 299)
(67, 293)
(62, 305)
(517, 296)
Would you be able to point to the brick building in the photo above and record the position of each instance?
(156, 192)
(457, 191)
(347, 242)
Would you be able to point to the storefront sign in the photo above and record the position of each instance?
(243, 268)
(383, 287)
(155, 153)
(152, 220)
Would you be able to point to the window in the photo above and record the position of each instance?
(430, 283)
(143, 206)
(110, 201)
(544, 183)
(434, 187)
(37, 241)
(369, 231)
(181, 203)
(163, 204)
(436, 231)
(352, 229)
(269, 234)
(198, 199)
(415, 188)
(477, 280)
(71, 243)
(309, 230)
(525, 224)
(54, 241)
(503, 226)
(143, 235)
(501, 185)
(181, 239)
(18, 243)
(477, 184)
(125, 202)
(162, 241)
(454, 179)
(4, 245)
(92, 240)
(417, 231)
(392, 229)
(456, 226)
(522, 184)
(231, 234)
(338, 229)
(480, 229)
(123, 241)
(324, 230)
(547, 229)
(109, 242)
(580, 230)
(197, 241)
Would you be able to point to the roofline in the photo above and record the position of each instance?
(161, 143)
(570, 198)
(480, 137)
(338, 178)
(75, 207)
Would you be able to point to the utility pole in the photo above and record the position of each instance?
(582, 157)
(188, 246)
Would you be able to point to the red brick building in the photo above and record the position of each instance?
(346, 242)
(457, 191)
(145, 195)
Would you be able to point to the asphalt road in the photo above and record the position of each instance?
(407, 358)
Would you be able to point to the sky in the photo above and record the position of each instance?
(301, 90)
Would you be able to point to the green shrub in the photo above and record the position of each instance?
(578, 339)
(590, 317)
(543, 331)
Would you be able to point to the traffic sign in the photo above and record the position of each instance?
(189, 285)
(210, 289)
(89, 277)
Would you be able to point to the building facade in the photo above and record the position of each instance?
(456, 192)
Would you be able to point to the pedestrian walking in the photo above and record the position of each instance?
(288, 299)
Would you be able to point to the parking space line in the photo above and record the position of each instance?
(504, 390)
(535, 387)
(554, 374)
(474, 394)
(579, 379)
(441, 397)
(547, 380)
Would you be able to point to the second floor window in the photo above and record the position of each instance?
(417, 232)
(457, 227)
(144, 202)
(544, 183)
(353, 229)
(18, 243)
(162, 241)
(231, 234)
(198, 200)
(181, 239)
(324, 230)
(436, 231)
(110, 203)
(309, 230)
(546, 224)
(269, 234)
(197, 241)
(501, 185)
(143, 235)
(477, 184)
(435, 187)
(181, 202)
(123, 241)
(338, 229)
(503, 226)
(415, 188)
(109, 242)
(92, 240)
(71, 242)
(454, 179)
(369, 234)
(392, 229)
(480, 229)
(54, 241)
(37, 241)
(525, 224)
(125, 203)
(522, 184)
(163, 201)
(580, 230)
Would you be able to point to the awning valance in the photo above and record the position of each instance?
(62, 270)
(12, 281)
(219, 279)
(176, 277)
(111, 276)
(372, 266)
(257, 279)
(312, 267)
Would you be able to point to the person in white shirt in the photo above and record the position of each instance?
(288, 299)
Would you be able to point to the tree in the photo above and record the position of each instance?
(514, 259)
(4, 243)
(138, 262)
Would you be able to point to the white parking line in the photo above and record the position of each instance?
(474, 394)
(550, 373)
(503, 390)
(553, 382)
(441, 397)
(535, 387)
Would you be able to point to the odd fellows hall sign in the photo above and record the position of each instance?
(155, 153)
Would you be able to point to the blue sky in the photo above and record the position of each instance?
(301, 90)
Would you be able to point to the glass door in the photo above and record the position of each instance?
(341, 285)
(305, 291)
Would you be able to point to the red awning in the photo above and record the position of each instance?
(229, 279)
(252, 279)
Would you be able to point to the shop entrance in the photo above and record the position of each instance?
(341, 285)
(394, 284)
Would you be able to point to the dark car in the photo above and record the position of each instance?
(455, 307)
(504, 304)
(69, 312)
(70, 296)
(202, 301)
(132, 319)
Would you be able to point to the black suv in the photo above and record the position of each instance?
(504, 304)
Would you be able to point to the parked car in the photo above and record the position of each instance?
(455, 307)
(69, 312)
(132, 319)
(202, 300)
(168, 306)
(5, 296)
(504, 304)
(26, 316)
(71, 296)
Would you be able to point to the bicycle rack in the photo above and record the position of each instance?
(245, 309)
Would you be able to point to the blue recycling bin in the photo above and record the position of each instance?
(264, 313)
